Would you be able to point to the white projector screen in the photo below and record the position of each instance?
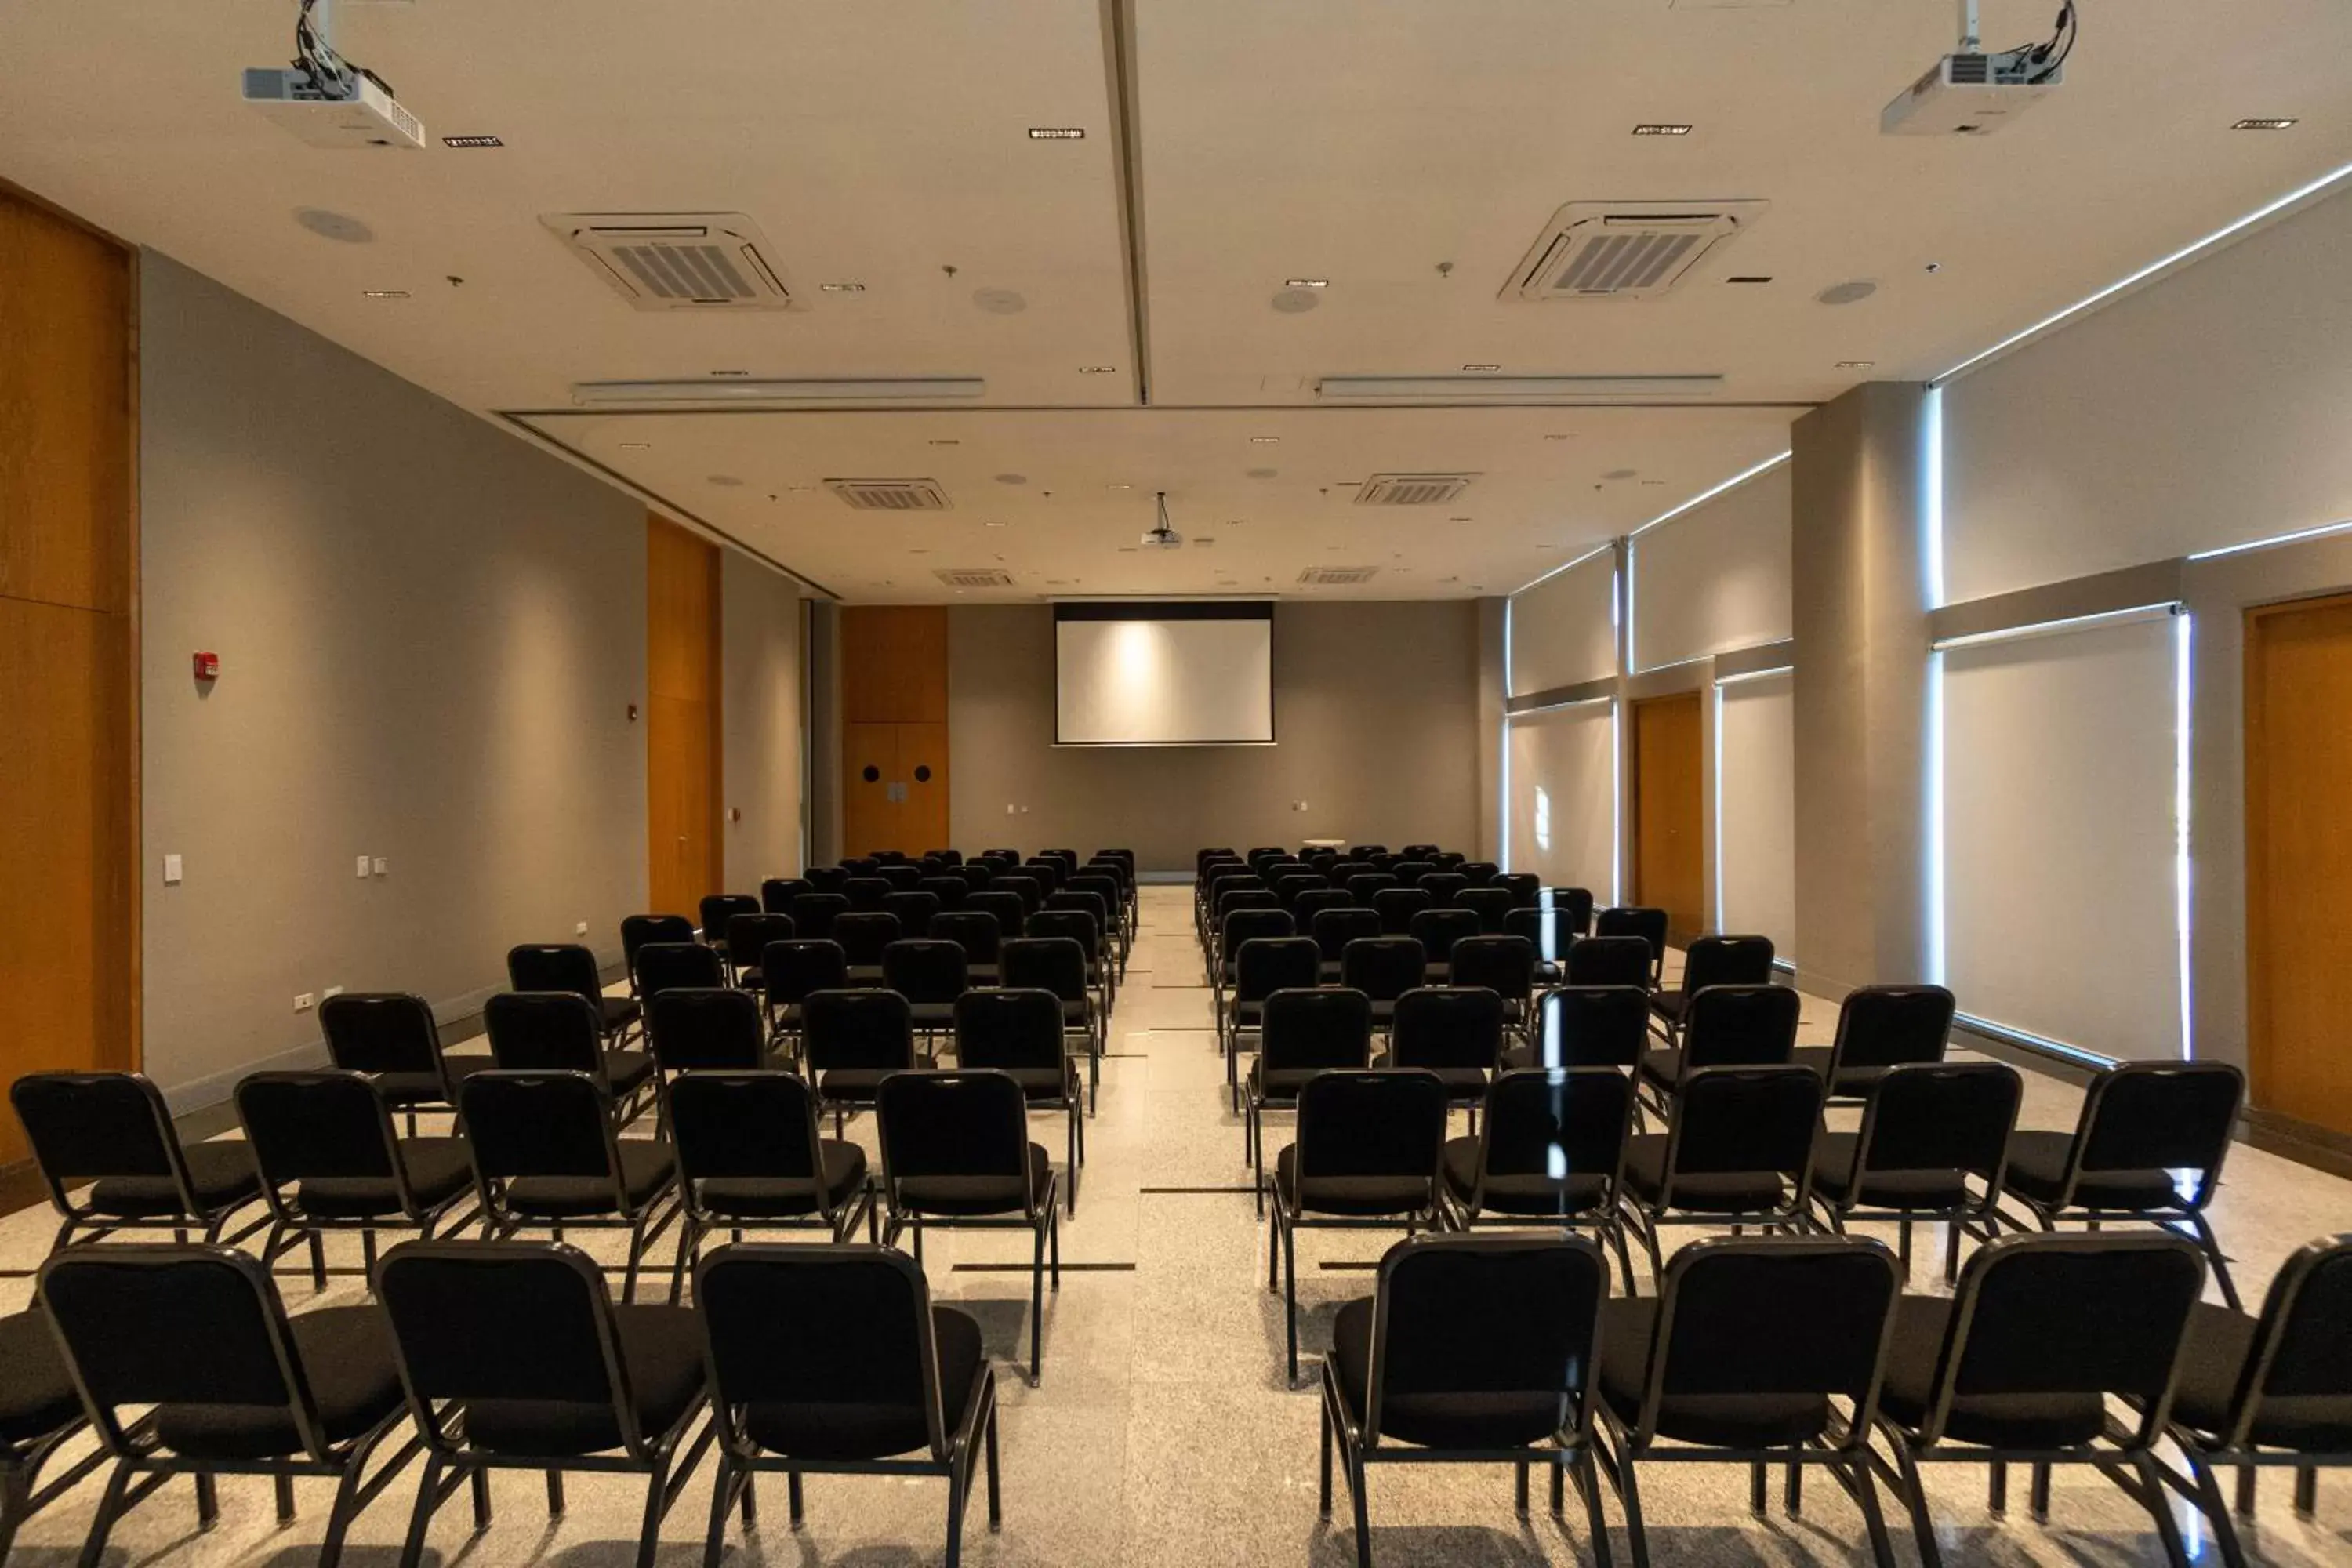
(1163, 674)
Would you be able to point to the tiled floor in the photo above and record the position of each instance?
(1163, 1433)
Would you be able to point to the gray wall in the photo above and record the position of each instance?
(1376, 725)
(759, 626)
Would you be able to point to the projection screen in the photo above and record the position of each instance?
(1163, 673)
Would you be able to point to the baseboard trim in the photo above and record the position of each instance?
(2304, 1142)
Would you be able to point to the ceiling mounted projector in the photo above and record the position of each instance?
(1972, 92)
(1163, 537)
(326, 100)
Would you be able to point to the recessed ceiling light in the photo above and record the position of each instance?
(1662, 129)
(800, 486)
(945, 441)
(1325, 282)
(1118, 486)
(471, 141)
(1461, 519)
(1263, 473)
(918, 553)
(1057, 133)
(730, 373)
(1856, 363)
(1560, 435)
(1266, 440)
(999, 523)
(384, 293)
(843, 288)
(1098, 370)
(1750, 278)
(637, 445)
(2264, 124)
(1653, 481)
(1481, 368)
(1233, 522)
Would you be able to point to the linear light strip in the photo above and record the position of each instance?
(1616, 802)
(1723, 680)
(1503, 822)
(1933, 785)
(1931, 515)
(2236, 225)
(2297, 537)
(1603, 549)
(1722, 917)
(2183, 646)
(1733, 483)
(2067, 624)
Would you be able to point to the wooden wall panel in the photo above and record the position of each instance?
(683, 761)
(894, 719)
(894, 664)
(1669, 825)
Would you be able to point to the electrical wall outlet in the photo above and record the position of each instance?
(171, 871)
(580, 928)
(362, 865)
(382, 866)
(1011, 809)
(303, 1002)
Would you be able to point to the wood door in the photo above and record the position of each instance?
(923, 769)
(1669, 830)
(894, 728)
(70, 854)
(682, 718)
(2299, 858)
(869, 774)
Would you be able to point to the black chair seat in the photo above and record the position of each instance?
(844, 1430)
(933, 1014)
(2218, 1344)
(347, 1358)
(1719, 1420)
(646, 1168)
(1663, 1065)
(855, 1086)
(405, 1089)
(619, 1012)
(1733, 1192)
(1076, 1014)
(1329, 970)
(1040, 1083)
(866, 974)
(1578, 1192)
(1248, 1015)
(2037, 1170)
(977, 1194)
(1835, 1154)
(222, 1174)
(981, 976)
(769, 1197)
(438, 1170)
(625, 1070)
(1999, 1420)
(1280, 1085)
(1669, 1004)
(661, 1347)
(1485, 1420)
(1461, 1083)
(1354, 1196)
(37, 1396)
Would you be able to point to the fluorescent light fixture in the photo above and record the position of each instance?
(1484, 388)
(2297, 537)
(1565, 566)
(384, 293)
(2183, 646)
(1481, 369)
(1661, 129)
(2236, 225)
(1057, 133)
(1723, 680)
(1857, 364)
(2262, 122)
(2008, 1035)
(1266, 440)
(464, 142)
(997, 524)
(2065, 624)
(904, 389)
(1931, 515)
(1306, 282)
(637, 445)
(843, 288)
(1733, 483)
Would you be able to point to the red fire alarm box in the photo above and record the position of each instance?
(207, 666)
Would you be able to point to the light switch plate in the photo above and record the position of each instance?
(172, 870)
(382, 866)
(302, 1002)
(362, 865)
(580, 928)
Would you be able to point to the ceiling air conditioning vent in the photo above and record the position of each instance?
(677, 262)
(1411, 489)
(1625, 250)
(1336, 576)
(890, 495)
(974, 577)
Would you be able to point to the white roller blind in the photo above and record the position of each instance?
(2060, 854)
(1756, 808)
(1563, 824)
(1717, 577)
(1564, 629)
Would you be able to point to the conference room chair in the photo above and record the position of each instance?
(1300, 1033)
(931, 973)
(1343, 871)
(977, 872)
(2268, 1391)
(1058, 964)
(592, 1387)
(1471, 1350)
(718, 908)
(1574, 903)
(1880, 1027)
(956, 1156)
(788, 971)
(1443, 887)
(1711, 961)
(748, 937)
(1725, 1026)
(1743, 1357)
(112, 1131)
(1550, 934)
(1383, 968)
(1396, 907)
(2027, 1362)
(865, 893)
(913, 910)
(1049, 875)
(945, 857)
(823, 880)
(863, 935)
(950, 890)
(977, 932)
(1084, 925)
(705, 1029)
(548, 1156)
(568, 966)
(1440, 932)
(1029, 889)
(1006, 909)
(861, 865)
(777, 893)
(1313, 902)
(1236, 928)
(638, 931)
(1118, 864)
(1587, 1027)
(2147, 1147)
(1479, 873)
(1262, 967)
(1421, 851)
(1363, 885)
(1003, 857)
(1524, 886)
(903, 878)
(1410, 870)
(1069, 857)
(328, 1160)
(1648, 924)
(1365, 1153)
(40, 1412)
(1333, 929)
(1455, 1033)
(1550, 1151)
(813, 914)
(1018, 1032)
(1737, 1151)
(1366, 851)
(851, 1041)
(1289, 889)
(1610, 961)
(392, 1038)
(891, 858)
(1492, 905)
(1503, 964)
(1449, 859)
(750, 1158)
(903, 1389)
(1265, 852)
(1928, 1129)
(229, 1385)
(1117, 915)
(664, 965)
(555, 1031)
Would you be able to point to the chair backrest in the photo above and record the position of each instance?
(1223, 880)
(554, 966)
(1397, 907)
(1492, 905)
(636, 931)
(901, 875)
(1409, 872)
(966, 1121)
(1447, 1026)
(951, 891)
(978, 872)
(1010, 1027)
(814, 913)
(1248, 925)
(823, 880)
(1744, 1120)
(1442, 933)
(1364, 1122)
(521, 1123)
(789, 970)
(1574, 903)
(664, 965)
(694, 1028)
(1077, 925)
(913, 910)
(748, 937)
(1556, 1123)
(1334, 929)
(304, 1126)
(1029, 889)
(865, 893)
(777, 893)
(752, 1125)
(1055, 963)
(924, 969)
(945, 857)
(555, 1031)
(765, 1308)
(1773, 1315)
(1610, 961)
(1726, 960)
(974, 930)
(1235, 899)
(1307, 905)
(1049, 874)
(1105, 891)
(1648, 924)
(1740, 1026)
(1364, 884)
(1941, 1116)
(856, 1029)
(1591, 1027)
(1552, 933)
(1325, 1027)
(1289, 889)
(88, 1124)
(1443, 887)
(720, 908)
(1382, 967)
(2069, 1314)
(1005, 909)
(506, 1320)
(145, 1325)
(1480, 1316)
(1524, 886)
(380, 1031)
(2160, 1116)
(1882, 1025)
(2302, 1342)
(1503, 964)
(1479, 872)
(863, 933)
(1265, 965)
